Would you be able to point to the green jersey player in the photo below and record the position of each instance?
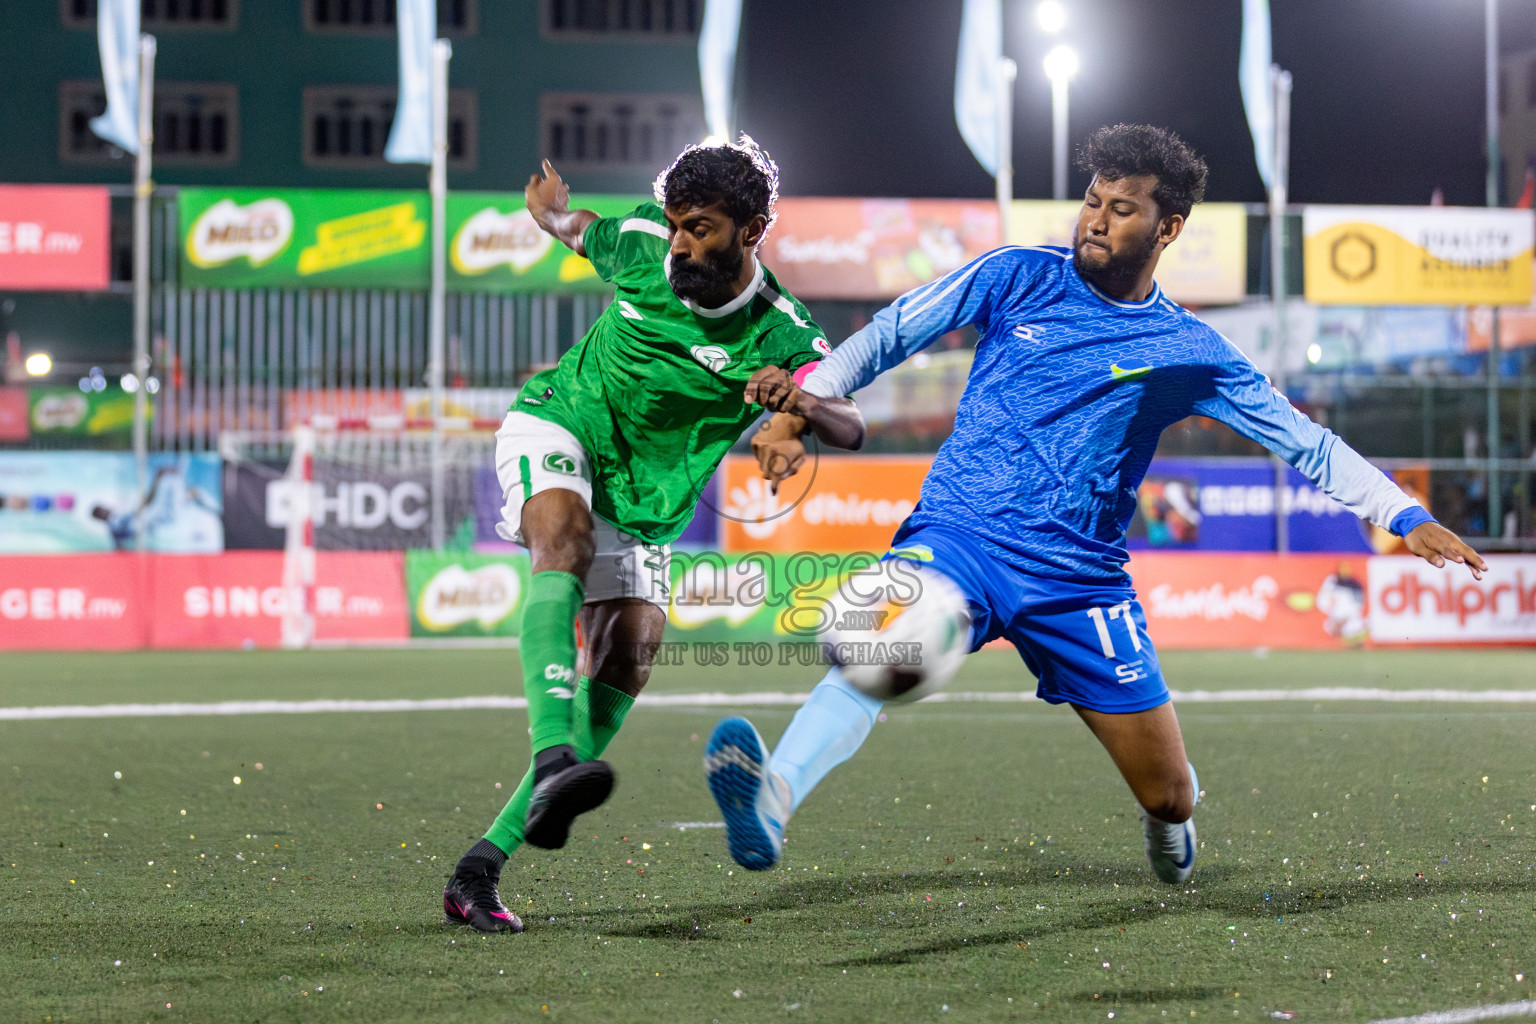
(602, 459)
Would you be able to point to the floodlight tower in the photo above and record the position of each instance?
(1061, 65)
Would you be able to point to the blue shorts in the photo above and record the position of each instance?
(1086, 643)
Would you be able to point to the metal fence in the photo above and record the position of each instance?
(230, 360)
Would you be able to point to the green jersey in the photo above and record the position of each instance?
(654, 390)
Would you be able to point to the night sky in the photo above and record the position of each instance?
(857, 98)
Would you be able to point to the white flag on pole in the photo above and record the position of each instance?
(717, 63)
(981, 48)
(117, 33)
(410, 140)
(1258, 94)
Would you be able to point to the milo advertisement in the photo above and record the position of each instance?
(462, 593)
(375, 238)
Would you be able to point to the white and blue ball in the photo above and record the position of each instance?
(899, 630)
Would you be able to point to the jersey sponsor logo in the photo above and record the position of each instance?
(1131, 673)
(820, 345)
(559, 462)
(1126, 370)
(913, 552)
(1026, 332)
(627, 310)
(712, 356)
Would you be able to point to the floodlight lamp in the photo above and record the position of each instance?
(39, 363)
(1314, 353)
(1061, 63)
(129, 382)
(1051, 16)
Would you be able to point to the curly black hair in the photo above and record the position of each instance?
(1126, 150)
(740, 175)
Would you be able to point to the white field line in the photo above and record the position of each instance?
(758, 699)
(1523, 1008)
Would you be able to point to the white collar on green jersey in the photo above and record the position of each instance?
(738, 302)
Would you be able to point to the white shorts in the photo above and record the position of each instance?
(534, 455)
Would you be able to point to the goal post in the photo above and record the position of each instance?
(364, 484)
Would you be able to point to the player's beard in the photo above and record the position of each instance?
(1121, 269)
(710, 282)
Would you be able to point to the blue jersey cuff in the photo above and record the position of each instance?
(1409, 518)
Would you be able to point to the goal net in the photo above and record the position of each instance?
(374, 484)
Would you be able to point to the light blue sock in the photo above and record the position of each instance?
(829, 727)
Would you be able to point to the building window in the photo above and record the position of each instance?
(161, 14)
(195, 123)
(643, 19)
(347, 126)
(617, 131)
(454, 17)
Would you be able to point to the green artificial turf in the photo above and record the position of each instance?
(969, 856)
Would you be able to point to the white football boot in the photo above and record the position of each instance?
(1171, 848)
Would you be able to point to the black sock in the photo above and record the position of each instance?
(484, 857)
(551, 760)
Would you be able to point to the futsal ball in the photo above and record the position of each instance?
(899, 630)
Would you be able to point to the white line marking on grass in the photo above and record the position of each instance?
(758, 699)
(1524, 1008)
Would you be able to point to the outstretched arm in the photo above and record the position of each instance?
(917, 320)
(548, 201)
(1246, 402)
(1437, 545)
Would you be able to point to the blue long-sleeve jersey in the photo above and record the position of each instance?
(1067, 396)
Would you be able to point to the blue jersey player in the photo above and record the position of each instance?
(1080, 365)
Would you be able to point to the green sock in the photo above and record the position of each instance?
(548, 651)
(599, 711)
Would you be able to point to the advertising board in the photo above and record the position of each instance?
(1412, 602)
(1206, 265)
(59, 502)
(237, 599)
(849, 503)
(460, 593)
(874, 248)
(81, 603)
(376, 238)
(55, 237)
(1417, 255)
(1195, 601)
(355, 506)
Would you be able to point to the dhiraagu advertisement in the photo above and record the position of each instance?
(1418, 255)
(376, 238)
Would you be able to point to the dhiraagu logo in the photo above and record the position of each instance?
(1123, 371)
